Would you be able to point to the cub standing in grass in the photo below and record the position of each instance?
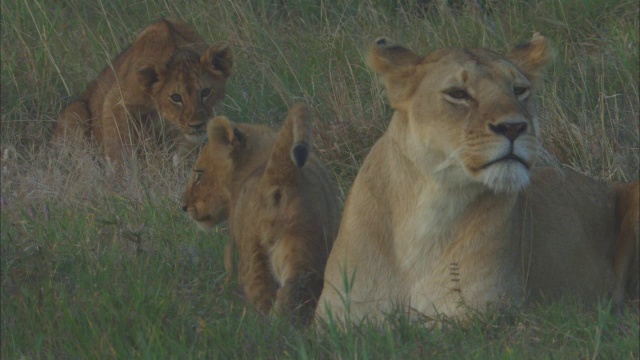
(448, 212)
(282, 207)
(163, 87)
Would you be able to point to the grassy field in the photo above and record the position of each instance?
(90, 272)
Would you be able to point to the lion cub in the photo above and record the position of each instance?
(281, 204)
(162, 88)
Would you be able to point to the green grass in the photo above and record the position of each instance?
(91, 270)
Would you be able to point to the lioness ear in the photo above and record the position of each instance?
(221, 131)
(220, 57)
(148, 73)
(532, 57)
(397, 66)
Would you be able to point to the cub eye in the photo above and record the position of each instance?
(519, 90)
(176, 98)
(458, 94)
(197, 174)
(205, 92)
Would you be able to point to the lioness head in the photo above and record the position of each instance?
(231, 150)
(186, 88)
(470, 112)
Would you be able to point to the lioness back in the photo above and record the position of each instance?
(168, 71)
(570, 219)
(449, 211)
(281, 204)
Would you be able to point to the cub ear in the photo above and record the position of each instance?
(532, 57)
(220, 131)
(220, 57)
(148, 72)
(301, 119)
(397, 66)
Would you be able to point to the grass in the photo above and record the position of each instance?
(93, 271)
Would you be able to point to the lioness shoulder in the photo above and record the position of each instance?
(281, 204)
(449, 211)
(164, 86)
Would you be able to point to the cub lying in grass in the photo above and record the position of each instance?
(163, 88)
(448, 211)
(282, 207)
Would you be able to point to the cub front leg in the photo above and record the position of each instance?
(229, 252)
(116, 136)
(626, 259)
(73, 124)
(298, 297)
(257, 282)
(299, 273)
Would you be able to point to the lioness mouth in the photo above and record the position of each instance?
(508, 157)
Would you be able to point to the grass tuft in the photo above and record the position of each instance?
(93, 267)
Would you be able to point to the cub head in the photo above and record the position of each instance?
(186, 89)
(233, 152)
(466, 115)
(208, 194)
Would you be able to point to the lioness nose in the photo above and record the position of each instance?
(509, 130)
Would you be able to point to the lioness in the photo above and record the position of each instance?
(448, 213)
(282, 207)
(163, 87)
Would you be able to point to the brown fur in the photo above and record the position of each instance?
(119, 109)
(626, 257)
(448, 211)
(281, 204)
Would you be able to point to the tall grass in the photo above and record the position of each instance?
(91, 269)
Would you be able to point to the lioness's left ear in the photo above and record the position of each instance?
(148, 73)
(220, 57)
(532, 57)
(396, 65)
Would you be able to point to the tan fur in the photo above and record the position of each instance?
(119, 110)
(281, 204)
(439, 220)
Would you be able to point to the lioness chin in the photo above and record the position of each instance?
(448, 211)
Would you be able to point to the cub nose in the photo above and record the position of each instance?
(509, 130)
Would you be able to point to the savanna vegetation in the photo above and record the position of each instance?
(95, 269)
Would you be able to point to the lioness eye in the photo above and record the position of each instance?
(205, 92)
(176, 98)
(458, 94)
(519, 90)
